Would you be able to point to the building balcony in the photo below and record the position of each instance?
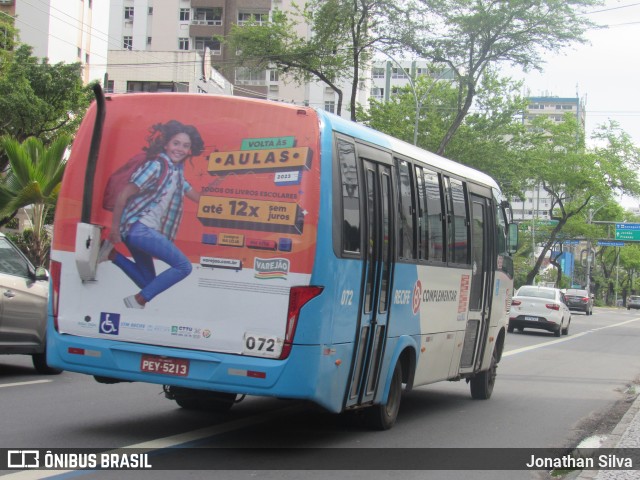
(205, 30)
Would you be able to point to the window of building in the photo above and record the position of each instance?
(207, 16)
(212, 43)
(377, 72)
(110, 86)
(377, 93)
(128, 13)
(397, 72)
(185, 14)
(86, 58)
(183, 43)
(330, 106)
(128, 43)
(249, 76)
(137, 86)
(246, 17)
(150, 11)
(148, 40)
(273, 76)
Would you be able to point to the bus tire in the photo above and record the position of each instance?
(41, 365)
(383, 417)
(482, 383)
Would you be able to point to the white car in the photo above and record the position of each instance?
(542, 308)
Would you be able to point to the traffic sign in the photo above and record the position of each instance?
(628, 231)
(610, 243)
(571, 242)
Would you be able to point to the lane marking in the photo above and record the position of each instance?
(172, 441)
(566, 339)
(19, 384)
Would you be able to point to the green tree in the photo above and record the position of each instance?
(38, 99)
(343, 35)
(469, 37)
(575, 177)
(489, 138)
(33, 181)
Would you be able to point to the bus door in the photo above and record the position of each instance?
(376, 285)
(481, 283)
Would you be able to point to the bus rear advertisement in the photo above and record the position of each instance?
(222, 247)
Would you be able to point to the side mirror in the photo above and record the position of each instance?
(512, 238)
(42, 273)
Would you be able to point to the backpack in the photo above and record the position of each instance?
(122, 176)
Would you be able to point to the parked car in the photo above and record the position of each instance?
(542, 308)
(23, 306)
(579, 300)
(633, 302)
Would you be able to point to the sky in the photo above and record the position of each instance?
(606, 72)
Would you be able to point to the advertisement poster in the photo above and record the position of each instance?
(232, 185)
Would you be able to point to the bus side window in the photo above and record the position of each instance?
(350, 197)
(458, 222)
(423, 233)
(435, 218)
(407, 222)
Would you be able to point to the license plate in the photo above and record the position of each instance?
(178, 367)
(531, 319)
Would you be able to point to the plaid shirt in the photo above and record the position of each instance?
(146, 178)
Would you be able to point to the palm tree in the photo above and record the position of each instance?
(33, 179)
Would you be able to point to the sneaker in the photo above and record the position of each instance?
(131, 302)
(105, 249)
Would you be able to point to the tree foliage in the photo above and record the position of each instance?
(33, 181)
(38, 99)
(469, 37)
(576, 177)
(343, 34)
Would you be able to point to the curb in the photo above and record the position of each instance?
(625, 435)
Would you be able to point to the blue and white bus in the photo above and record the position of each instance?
(325, 261)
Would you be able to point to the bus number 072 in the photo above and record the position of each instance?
(260, 344)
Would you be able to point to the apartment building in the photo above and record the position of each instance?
(389, 76)
(536, 202)
(66, 31)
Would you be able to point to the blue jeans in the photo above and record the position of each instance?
(145, 243)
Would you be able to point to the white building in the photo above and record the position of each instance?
(66, 31)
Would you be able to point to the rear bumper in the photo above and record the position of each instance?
(211, 371)
(541, 324)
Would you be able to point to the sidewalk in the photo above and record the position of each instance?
(625, 435)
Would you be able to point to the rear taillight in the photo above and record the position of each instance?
(552, 306)
(585, 300)
(298, 297)
(516, 302)
(55, 269)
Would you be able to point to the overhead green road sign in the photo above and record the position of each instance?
(629, 232)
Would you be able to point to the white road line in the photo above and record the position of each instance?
(161, 443)
(19, 384)
(566, 339)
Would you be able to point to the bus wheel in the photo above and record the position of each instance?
(483, 382)
(382, 417)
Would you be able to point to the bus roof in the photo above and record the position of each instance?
(401, 147)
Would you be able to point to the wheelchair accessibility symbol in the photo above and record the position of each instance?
(109, 323)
